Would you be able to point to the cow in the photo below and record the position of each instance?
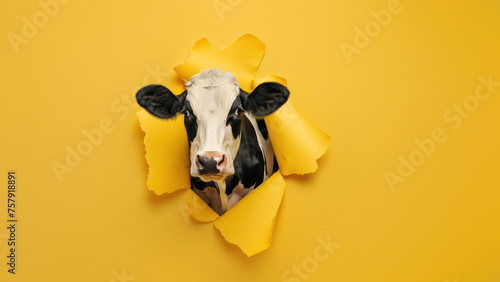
(229, 146)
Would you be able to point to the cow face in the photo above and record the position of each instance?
(212, 106)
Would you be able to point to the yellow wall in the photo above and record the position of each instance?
(378, 95)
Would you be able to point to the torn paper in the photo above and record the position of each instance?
(199, 209)
(250, 223)
(167, 153)
(297, 144)
(242, 58)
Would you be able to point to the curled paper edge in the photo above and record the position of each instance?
(297, 143)
(249, 227)
(242, 58)
(158, 156)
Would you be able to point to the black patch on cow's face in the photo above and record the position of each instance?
(249, 162)
(234, 117)
(189, 121)
(231, 182)
(263, 128)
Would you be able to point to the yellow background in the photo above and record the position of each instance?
(441, 224)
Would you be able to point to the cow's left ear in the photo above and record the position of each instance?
(265, 98)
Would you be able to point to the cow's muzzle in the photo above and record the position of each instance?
(211, 163)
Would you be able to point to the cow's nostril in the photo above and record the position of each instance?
(199, 162)
(222, 161)
(221, 164)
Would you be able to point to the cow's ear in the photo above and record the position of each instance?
(160, 101)
(265, 98)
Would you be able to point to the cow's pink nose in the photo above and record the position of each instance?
(211, 163)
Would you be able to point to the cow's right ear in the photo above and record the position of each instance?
(265, 98)
(160, 101)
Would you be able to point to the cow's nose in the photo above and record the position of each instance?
(211, 163)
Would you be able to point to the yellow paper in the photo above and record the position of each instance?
(199, 209)
(268, 78)
(242, 58)
(167, 153)
(297, 143)
(250, 223)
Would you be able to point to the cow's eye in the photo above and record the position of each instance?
(238, 111)
(185, 112)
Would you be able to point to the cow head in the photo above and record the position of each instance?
(212, 105)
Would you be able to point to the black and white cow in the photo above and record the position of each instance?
(230, 150)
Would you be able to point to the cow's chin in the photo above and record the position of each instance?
(212, 177)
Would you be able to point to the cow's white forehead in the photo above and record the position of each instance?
(212, 91)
